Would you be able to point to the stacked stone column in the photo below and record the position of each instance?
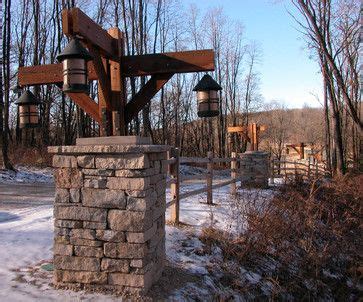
(109, 216)
(254, 169)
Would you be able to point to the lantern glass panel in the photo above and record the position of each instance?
(213, 94)
(202, 96)
(33, 114)
(28, 116)
(74, 71)
(24, 114)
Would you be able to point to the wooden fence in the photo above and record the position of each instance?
(176, 179)
(278, 169)
(296, 170)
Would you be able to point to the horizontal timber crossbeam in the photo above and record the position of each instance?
(131, 66)
(47, 74)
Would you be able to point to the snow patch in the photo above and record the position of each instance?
(27, 175)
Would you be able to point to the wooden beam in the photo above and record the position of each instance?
(254, 137)
(100, 66)
(234, 129)
(47, 74)
(172, 62)
(87, 104)
(145, 94)
(241, 130)
(118, 85)
(67, 22)
(131, 66)
(94, 34)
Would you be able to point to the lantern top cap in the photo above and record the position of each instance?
(207, 83)
(74, 49)
(27, 98)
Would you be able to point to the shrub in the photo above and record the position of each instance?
(310, 231)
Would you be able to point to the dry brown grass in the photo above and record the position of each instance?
(312, 231)
(30, 156)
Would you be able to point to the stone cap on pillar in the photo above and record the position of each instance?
(110, 145)
(114, 140)
(255, 153)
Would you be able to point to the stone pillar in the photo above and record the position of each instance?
(254, 169)
(109, 216)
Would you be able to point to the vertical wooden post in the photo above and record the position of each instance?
(117, 86)
(210, 178)
(302, 151)
(285, 168)
(104, 110)
(257, 130)
(309, 169)
(249, 135)
(272, 171)
(295, 170)
(174, 187)
(234, 173)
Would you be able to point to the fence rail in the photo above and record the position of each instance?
(306, 170)
(176, 179)
(283, 168)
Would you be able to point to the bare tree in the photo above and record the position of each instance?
(5, 84)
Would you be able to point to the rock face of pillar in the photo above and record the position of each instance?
(109, 216)
(254, 169)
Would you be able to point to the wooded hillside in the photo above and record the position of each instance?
(32, 35)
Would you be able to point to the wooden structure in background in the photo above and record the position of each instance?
(250, 133)
(299, 148)
(297, 170)
(110, 67)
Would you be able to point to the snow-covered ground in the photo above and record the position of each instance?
(26, 236)
(27, 175)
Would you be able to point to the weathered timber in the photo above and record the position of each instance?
(234, 129)
(145, 94)
(87, 104)
(47, 74)
(101, 70)
(93, 33)
(118, 85)
(173, 62)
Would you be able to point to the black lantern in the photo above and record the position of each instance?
(74, 58)
(207, 96)
(28, 110)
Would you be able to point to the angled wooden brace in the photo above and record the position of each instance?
(146, 93)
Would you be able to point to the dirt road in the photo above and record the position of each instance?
(25, 195)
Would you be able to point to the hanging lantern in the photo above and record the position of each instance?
(207, 96)
(28, 110)
(74, 58)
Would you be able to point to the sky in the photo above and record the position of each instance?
(287, 73)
